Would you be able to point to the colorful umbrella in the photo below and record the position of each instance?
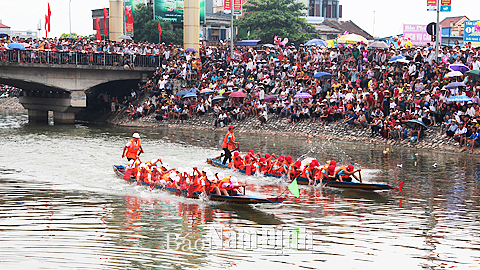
(459, 67)
(378, 45)
(181, 93)
(16, 46)
(352, 39)
(316, 42)
(302, 95)
(473, 72)
(270, 99)
(218, 97)
(454, 74)
(206, 90)
(412, 123)
(239, 94)
(454, 85)
(188, 95)
(125, 37)
(321, 74)
(396, 58)
(459, 99)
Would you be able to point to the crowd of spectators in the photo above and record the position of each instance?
(8, 91)
(365, 90)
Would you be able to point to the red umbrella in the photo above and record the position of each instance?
(238, 94)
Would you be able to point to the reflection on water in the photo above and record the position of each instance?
(62, 207)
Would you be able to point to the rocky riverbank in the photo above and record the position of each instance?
(334, 131)
(11, 103)
(316, 130)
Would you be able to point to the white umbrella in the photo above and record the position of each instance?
(206, 90)
(454, 74)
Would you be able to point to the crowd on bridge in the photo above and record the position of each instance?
(380, 89)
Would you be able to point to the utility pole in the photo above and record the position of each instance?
(70, 17)
(437, 31)
(231, 32)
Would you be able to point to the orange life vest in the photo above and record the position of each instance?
(325, 173)
(344, 168)
(226, 179)
(228, 145)
(197, 184)
(238, 163)
(133, 150)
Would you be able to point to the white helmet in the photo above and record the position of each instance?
(136, 135)
(234, 180)
(206, 169)
(190, 171)
(210, 176)
(173, 176)
(220, 175)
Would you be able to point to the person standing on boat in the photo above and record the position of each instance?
(229, 143)
(133, 148)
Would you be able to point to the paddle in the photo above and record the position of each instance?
(192, 186)
(400, 186)
(128, 173)
(179, 190)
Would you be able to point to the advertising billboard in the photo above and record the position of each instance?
(472, 33)
(172, 10)
(129, 14)
(417, 34)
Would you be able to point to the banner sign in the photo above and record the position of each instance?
(237, 7)
(431, 5)
(417, 34)
(227, 6)
(129, 15)
(472, 32)
(172, 10)
(446, 5)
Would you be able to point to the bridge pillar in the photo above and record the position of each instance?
(63, 118)
(36, 116)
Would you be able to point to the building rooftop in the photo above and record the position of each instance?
(445, 23)
(4, 26)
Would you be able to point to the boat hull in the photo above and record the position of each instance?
(303, 181)
(239, 199)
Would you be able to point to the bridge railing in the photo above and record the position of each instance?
(78, 58)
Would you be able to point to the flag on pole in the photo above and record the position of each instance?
(159, 33)
(46, 25)
(293, 187)
(49, 16)
(105, 14)
(99, 37)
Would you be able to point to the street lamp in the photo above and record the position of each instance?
(70, 17)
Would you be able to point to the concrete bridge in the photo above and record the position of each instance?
(62, 88)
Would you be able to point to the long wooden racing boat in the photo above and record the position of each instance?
(238, 199)
(304, 181)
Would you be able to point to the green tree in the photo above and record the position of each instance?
(265, 19)
(67, 35)
(146, 28)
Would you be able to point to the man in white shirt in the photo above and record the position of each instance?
(470, 110)
(476, 63)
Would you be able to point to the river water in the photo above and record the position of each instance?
(62, 207)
